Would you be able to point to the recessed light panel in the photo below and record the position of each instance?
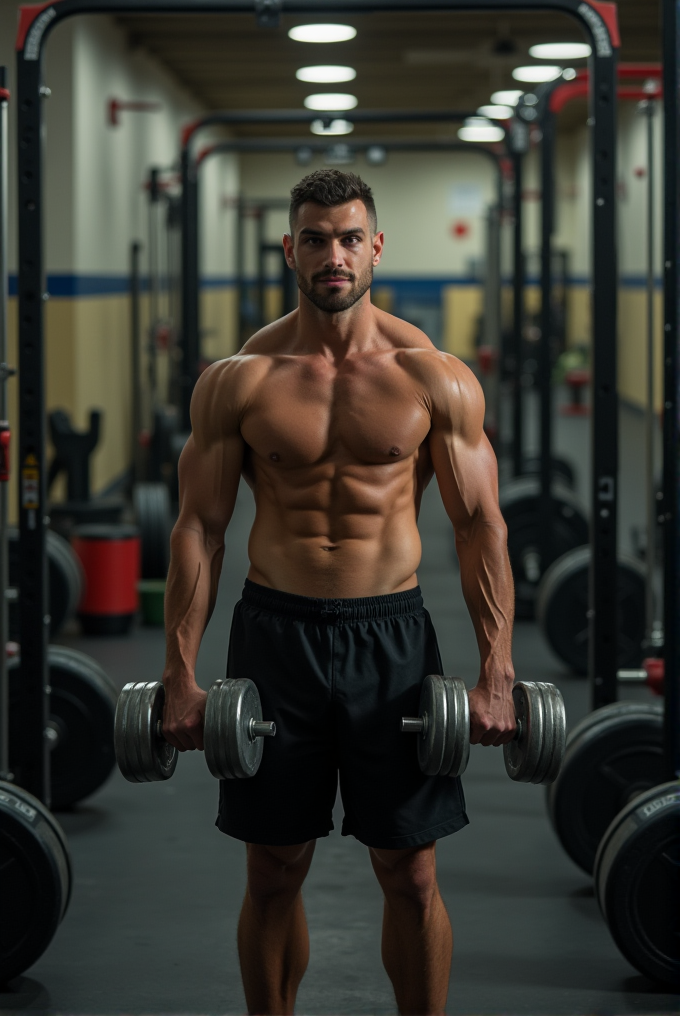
(322, 33)
(478, 133)
(560, 51)
(536, 73)
(326, 73)
(335, 127)
(330, 101)
(496, 112)
(507, 97)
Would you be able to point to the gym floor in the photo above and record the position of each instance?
(151, 925)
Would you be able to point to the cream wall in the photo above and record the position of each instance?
(413, 195)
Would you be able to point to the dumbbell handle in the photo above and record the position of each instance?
(261, 728)
(256, 728)
(418, 725)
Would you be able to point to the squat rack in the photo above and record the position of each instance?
(598, 20)
(549, 100)
(190, 267)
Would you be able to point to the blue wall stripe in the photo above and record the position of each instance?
(428, 289)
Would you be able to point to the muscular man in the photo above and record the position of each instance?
(337, 416)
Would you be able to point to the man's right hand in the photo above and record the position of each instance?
(183, 718)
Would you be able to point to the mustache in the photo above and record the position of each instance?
(323, 276)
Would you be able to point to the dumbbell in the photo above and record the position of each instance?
(232, 734)
(533, 756)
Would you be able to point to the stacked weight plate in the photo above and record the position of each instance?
(36, 868)
(232, 749)
(142, 753)
(636, 881)
(535, 755)
(444, 747)
(613, 754)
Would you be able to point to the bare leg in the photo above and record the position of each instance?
(417, 940)
(273, 942)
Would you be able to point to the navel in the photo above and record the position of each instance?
(275, 457)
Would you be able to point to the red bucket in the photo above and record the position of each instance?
(110, 556)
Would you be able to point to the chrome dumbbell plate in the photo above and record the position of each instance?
(142, 753)
(234, 729)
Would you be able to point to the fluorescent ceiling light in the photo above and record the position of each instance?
(496, 112)
(326, 73)
(536, 72)
(328, 101)
(335, 127)
(560, 51)
(322, 33)
(478, 128)
(508, 97)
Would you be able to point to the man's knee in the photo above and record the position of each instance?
(409, 875)
(277, 872)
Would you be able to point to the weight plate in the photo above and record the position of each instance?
(457, 750)
(230, 751)
(142, 753)
(151, 502)
(615, 754)
(65, 578)
(522, 755)
(36, 869)
(562, 609)
(520, 501)
(554, 734)
(433, 709)
(636, 881)
(560, 469)
(81, 711)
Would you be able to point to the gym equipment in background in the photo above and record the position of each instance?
(534, 545)
(72, 451)
(65, 582)
(37, 878)
(562, 609)
(636, 881)
(637, 863)
(613, 754)
(34, 857)
(82, 707)
(110, 556)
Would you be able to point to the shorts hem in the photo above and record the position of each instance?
(276, 840)
(416, 839)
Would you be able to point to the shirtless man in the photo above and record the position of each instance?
(337, 416)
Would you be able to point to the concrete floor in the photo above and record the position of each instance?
(151, 925)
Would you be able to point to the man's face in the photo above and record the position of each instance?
(333, 253)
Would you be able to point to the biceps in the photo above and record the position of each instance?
(467, 475)
(208, 483)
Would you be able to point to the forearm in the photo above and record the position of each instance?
(190, 597)
(486, 580)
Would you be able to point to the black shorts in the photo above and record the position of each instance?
(337, 676)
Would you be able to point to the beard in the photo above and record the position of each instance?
(330, 301)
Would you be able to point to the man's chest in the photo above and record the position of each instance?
(302, 416)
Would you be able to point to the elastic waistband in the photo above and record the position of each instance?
(363, 608)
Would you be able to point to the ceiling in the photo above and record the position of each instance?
(403, 60)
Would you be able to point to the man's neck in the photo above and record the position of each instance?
(338, 335)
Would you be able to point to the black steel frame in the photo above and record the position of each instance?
(190, 267)
(597, 19)
(671, 406)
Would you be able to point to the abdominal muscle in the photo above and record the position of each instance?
(338, 537)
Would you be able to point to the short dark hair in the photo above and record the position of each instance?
(331, 187)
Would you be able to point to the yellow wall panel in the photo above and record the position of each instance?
(461, 311)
